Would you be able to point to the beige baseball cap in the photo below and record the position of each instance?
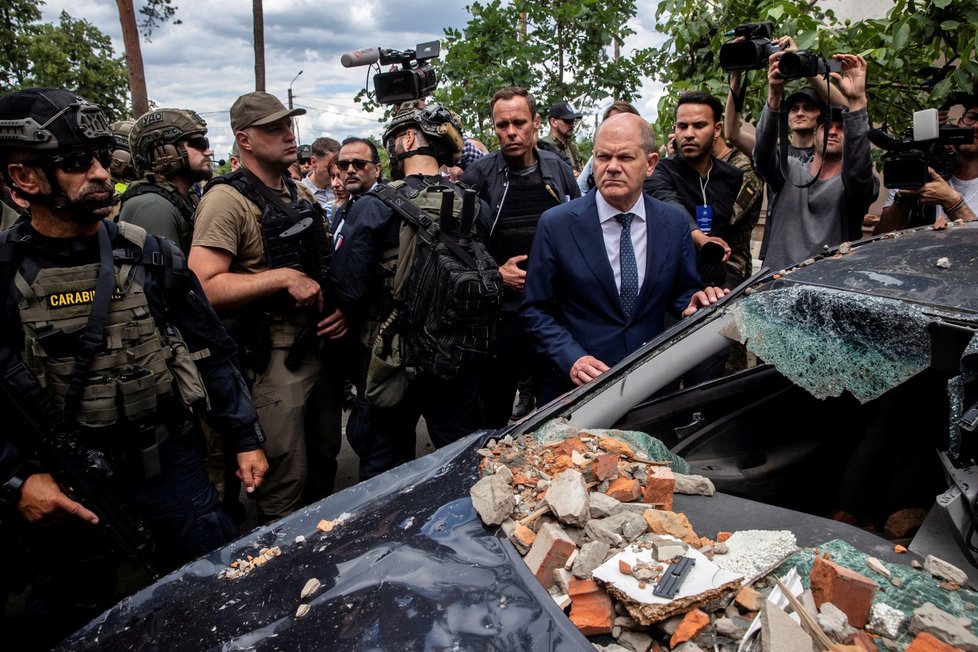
(258, 108)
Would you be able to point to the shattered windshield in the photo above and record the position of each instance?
(827, 341)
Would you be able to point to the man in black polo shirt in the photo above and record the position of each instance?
(705, 187)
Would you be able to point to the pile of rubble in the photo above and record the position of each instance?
(593, 518)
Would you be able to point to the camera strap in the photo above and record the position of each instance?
(738, 97)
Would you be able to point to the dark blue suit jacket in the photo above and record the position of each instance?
(571, 306)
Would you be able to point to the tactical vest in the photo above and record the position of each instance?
(285, 326)
(518, 216)
(140, 360)
(185, 205)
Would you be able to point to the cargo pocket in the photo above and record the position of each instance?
(387, 378)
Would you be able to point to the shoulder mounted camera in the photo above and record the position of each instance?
(925, 146)
(414, 79)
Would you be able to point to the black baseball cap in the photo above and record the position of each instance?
(807, 93)
(563, 111)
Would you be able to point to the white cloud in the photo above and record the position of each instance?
(208, 60)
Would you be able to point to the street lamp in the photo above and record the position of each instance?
(295, 125)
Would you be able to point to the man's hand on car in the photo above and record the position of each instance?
(705, 297)
(586, 369)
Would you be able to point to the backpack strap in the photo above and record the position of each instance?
(414, 215)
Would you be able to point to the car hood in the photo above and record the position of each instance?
(407, 565)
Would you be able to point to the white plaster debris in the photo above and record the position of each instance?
(885, 620)
(943, 262)
(702, 577)
(751, 552)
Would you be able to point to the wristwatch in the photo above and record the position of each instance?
(10, 490)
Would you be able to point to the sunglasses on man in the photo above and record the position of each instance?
(357, 163)
(200, 143)
(76, 160)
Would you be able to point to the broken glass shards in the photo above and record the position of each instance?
(828, 340)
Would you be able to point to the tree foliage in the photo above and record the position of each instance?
(559, 49)
(72, 54)
(920, 53)
(156, 13)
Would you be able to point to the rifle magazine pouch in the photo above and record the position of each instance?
(189, 382)
(387, 379)
(137, 393)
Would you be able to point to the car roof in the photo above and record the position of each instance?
(905, 266)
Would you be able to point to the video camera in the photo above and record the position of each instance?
(802, 63)
(907, 159)
(753, 52)
(413, 81)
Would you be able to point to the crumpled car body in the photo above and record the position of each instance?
(407, 564)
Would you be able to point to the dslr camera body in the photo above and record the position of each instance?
(802, 64)
(925, 146)
(753, 52)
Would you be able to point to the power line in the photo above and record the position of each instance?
(334, 111)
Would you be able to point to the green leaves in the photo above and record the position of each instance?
(911, 38)
(72, 54)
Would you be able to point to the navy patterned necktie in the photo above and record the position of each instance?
(629, 269)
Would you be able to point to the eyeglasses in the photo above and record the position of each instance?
(969, 119)
(200, 143)
(76, 160)
(357, 163)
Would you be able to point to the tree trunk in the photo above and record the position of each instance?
(134, 58)
(259, 23)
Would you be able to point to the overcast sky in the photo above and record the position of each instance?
(208, 60)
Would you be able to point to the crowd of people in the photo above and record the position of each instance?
(152, 309)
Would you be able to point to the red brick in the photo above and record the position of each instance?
(750, 599)
(551, 549)
(690, 627)
(660, 487)
(851, 592)
(616, 446)
(570, 445)
(605, 467)
(591, 608)
(723, 536)
(928, 643)
(625, 489)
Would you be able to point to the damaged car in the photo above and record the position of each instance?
(860, 399)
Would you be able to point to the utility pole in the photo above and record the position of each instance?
(295, 124)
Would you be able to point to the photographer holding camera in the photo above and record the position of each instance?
(821, 203)
(955, 198)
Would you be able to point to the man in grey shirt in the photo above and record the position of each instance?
(830, 210)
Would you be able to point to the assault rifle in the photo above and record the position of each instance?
(82, 473)
(314, 252)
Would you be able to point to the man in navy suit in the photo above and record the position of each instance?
(604, 268)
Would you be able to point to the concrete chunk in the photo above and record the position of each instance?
(945, 571)
(492, 498)
(779, 633)
(695, 485)
(602, 505)
(944, 627)
(591, 556)
(567, 498)
(834, 623)
(550, 551)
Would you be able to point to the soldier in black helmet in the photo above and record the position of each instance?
(107, 349)
(171, 151)
(419, 140)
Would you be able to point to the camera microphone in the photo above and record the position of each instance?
(362, 57)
